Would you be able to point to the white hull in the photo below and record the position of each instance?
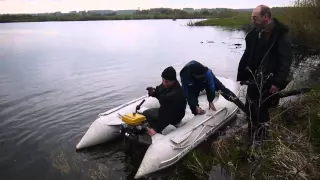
(167, 148)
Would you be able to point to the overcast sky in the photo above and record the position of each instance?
(35, 6)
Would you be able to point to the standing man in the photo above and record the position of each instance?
(264, 67)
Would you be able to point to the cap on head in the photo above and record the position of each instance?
(198, 70)
(169, 74)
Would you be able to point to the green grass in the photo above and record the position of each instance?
(303, 22)
(235, 22)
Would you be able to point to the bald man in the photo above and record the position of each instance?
(264, 67)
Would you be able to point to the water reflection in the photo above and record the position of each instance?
(56, 77)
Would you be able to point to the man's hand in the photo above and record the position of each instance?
(151, 91)
(211, 106)
(274, 89)
(199, 110)
(151, 131)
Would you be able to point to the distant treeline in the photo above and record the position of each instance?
(143, 14)
(77, 17)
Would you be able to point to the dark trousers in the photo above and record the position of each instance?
(257, 106)
(152, 115)
(225, 92)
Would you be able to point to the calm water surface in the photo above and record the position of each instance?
(56, 77)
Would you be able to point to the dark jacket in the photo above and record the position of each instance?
(172, 105)
(272, 56)
(192, 85)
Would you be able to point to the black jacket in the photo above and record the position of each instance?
(172, 105)
(274, 58)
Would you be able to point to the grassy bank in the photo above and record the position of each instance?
(238, 21)
(235, 22)
(77, 17)
(302, 19)
(292, 152)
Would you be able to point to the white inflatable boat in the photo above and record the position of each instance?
(170, 146)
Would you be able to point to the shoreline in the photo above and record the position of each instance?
(93, 20)
(230, 23)
(30, 18)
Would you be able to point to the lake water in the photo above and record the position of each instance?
(56, 77)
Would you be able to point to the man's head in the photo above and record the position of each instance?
(169, 77)
(198, 71)
(261, 16)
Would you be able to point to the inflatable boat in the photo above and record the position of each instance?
(171, 145)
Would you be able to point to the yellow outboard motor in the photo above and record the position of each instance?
(134, 124)
(133, 119)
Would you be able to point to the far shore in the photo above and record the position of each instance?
(46, 18)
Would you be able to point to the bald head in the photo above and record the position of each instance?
(261, 16)
(264, 10)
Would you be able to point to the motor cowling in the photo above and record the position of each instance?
(134, 124)
(133, 119)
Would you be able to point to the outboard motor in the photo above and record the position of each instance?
(131, 130)
(134, 124)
